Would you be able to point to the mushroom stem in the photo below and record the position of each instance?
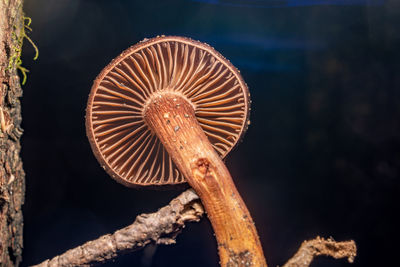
(172, 118)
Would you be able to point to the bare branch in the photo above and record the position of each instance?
(163, 226)
(160, 227)
(320, 246)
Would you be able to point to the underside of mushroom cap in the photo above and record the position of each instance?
(121, 140)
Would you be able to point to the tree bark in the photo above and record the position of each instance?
(12, 177)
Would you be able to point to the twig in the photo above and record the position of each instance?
(160, 227)
(163, 226)
(320, 246)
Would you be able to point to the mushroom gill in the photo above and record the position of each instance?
(119, 136)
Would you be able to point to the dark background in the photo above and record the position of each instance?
(322, 154)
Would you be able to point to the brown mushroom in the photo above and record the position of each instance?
(165, 112)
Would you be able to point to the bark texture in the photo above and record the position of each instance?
(160, 227)
(12, 177)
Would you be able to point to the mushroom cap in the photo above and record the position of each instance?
(120, 138)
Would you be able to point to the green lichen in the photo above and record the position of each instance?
(16, 49)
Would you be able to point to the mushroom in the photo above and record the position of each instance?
(166, 111)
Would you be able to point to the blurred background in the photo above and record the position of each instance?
(322, 154)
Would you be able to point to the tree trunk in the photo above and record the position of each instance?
(12, 177)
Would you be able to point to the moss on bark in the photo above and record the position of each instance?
(12, 177)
